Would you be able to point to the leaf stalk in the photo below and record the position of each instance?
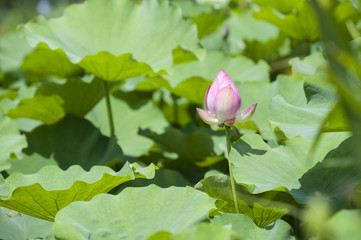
(233, 184)
(109, 108)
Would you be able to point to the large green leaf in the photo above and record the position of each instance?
(263, 208)
(204, 231)
(130, 112)
(295, 109)
(296, 120)
(264, 168)
(246, 229)
(71, 141)
(135, 213)
(11, 142)
(21, 226)
(43, 194)
(117, 39)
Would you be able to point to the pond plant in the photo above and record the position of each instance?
(170, 119)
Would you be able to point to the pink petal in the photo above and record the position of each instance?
(246, 114)
(210, 100)
(208, 117)
(227, 104)
(224, 80)
(206, 99)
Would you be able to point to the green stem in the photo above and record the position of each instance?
(233, 185)
(175, 109)
(109, 108)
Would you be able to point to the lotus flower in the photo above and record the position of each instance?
(223, 103)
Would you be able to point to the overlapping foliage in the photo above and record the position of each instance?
(156, 171)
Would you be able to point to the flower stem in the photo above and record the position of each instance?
(233, 185)
(109, 108)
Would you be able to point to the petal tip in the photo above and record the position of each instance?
(246, 114)
(207, 117)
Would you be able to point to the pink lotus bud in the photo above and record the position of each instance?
(223, 103)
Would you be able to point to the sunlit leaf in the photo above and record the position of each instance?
(283, 6)
(302, 111)
(245, 228)
(119, 39)
(263, 209)
(264, 168)
(135, 213)
(344, 225)
(244, 27)
(22, 227)
(262, 94)
(47, 109)
(13, 49)
(44, 62)
(43, 194)
(30, 164)
(164, 178)
(204, 231)
(11, 142)
(240, 69)
(300, 24)
(130, 113)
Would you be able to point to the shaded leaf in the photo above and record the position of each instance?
(73, 141)
(196, 148)
(333, 179)
(78, 96)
